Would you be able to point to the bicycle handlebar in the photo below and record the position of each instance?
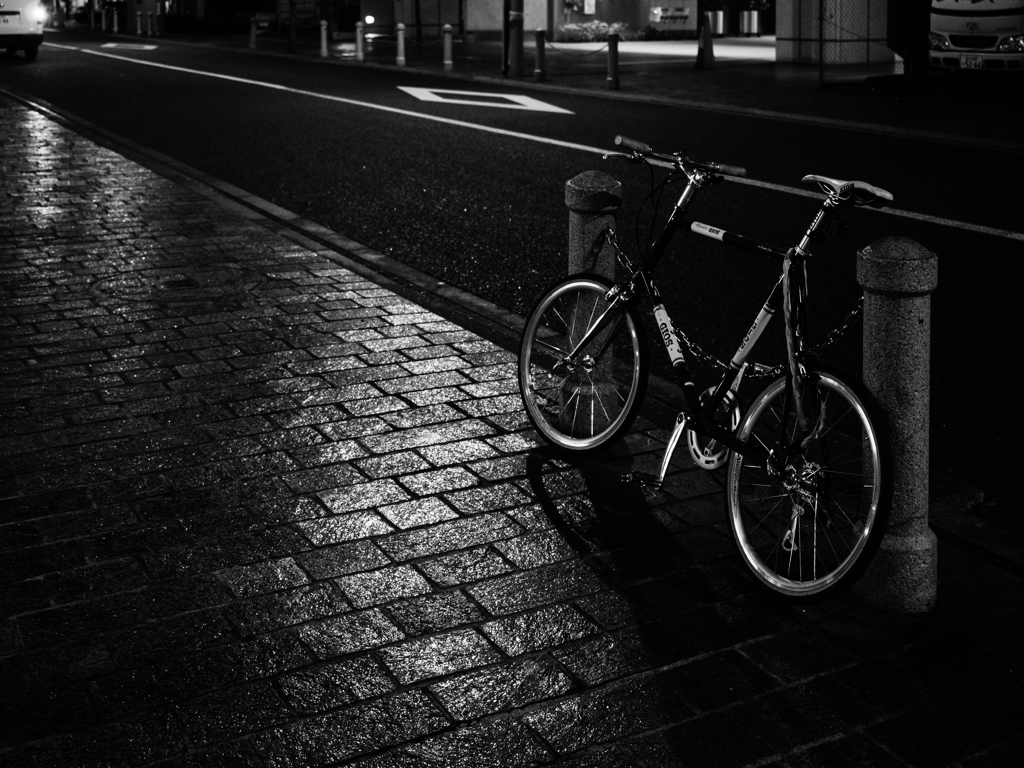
(643, 149)
(633, 144)
(731, 170)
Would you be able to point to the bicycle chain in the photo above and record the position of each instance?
(754, 370)
(760, 370)
(837, 334)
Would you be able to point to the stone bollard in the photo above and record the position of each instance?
(252, 34)
(323, 39)
(898, 276)
(593, 198)
(400, 58)
(613, 62)
(449, 65)
(360, 41)
(539, 73)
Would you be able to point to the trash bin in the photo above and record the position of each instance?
(717, 19)
(750, 23)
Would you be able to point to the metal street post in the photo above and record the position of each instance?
(291, 26)
(400, 56)
(506, 13)
(539, 73)
(613, 62)
(515, 26)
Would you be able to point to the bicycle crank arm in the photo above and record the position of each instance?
(645, 479)
(656, 481)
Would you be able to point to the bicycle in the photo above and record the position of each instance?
(807, 473)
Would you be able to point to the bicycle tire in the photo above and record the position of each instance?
(584, 408)
(808, 523)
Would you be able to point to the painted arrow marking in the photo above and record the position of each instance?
(477, 99)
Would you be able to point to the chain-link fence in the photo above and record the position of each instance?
(853, 41)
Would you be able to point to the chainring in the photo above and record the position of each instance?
(705, 451)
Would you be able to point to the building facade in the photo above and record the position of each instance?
(804, 29)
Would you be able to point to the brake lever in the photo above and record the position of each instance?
(633, 157)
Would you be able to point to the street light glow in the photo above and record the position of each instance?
(369, 19)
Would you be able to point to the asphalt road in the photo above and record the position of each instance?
(463, 199)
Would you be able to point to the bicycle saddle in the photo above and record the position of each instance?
(857, 192)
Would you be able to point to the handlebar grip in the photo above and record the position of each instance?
(732, 170)
(633, 144)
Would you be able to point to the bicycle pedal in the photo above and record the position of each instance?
(642, 478)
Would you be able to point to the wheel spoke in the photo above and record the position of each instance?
(823, 495)
(768, 514)
(588, 404)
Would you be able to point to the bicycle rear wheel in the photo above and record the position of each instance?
(808, 519)
(584, 404)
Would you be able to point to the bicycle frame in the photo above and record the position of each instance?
(626, 292)
(696, 415)
(806, 473)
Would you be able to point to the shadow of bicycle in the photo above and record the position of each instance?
(673, 601)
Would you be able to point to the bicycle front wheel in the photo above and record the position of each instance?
(584, 401)
(807, 519)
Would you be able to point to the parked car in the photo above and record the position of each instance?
(21, 26)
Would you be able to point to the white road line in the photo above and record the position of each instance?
(530, 137)
(979, 228)
(129, 46)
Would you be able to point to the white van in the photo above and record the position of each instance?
(977, 34)
(21, 26)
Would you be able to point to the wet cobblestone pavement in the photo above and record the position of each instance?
(257, 510)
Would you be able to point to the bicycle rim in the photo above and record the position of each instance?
(808, 519)
(581, 405)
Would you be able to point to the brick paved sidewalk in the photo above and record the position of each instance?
(256, 510)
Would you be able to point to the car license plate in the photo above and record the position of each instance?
(970, 62)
